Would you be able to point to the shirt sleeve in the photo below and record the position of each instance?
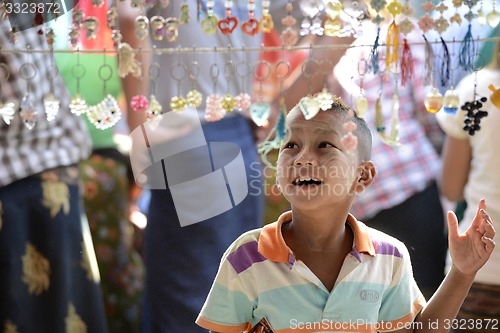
(227, 307)
(403, 300)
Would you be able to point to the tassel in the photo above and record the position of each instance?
(394, 135)
(379, 117)
(391, 56)
(280, 133)
(429, 57)
(374, 54)
(467, 51)
(444, 69)
(406, 63)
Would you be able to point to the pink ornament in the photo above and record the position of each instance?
(214, 110)
(289, 37)
(288, 21)
(350, 126)
(349, 141)
(139, 103)
(243, 101)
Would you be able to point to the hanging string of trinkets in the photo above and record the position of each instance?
(319, 18)
(405, 27)
(282, 70)
(391, 67)
(472, 109)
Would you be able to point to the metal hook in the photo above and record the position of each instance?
(287, 69)
(315, 70)
(266, 72)
(182, 71)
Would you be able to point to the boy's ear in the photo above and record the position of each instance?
(367, 176)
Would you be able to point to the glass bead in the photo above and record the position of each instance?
(451, 101)
(361, 105)
(433, 101)
(493, 19)
(28, 112)
(481, 18)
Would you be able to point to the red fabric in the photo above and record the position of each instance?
(103, 39)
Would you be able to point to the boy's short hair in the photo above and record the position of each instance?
(362, 132)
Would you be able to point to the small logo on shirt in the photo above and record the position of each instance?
(371, 296)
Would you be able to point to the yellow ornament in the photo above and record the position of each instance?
(361, 105)
(228, 102)
(177, 103)
(266, 23)
(495, 96)
(433, 101)
(194, 98)
(333, 8)
(395, 8)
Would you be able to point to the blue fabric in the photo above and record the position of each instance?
(59, 239)
(181, 262)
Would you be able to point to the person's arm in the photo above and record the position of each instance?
(469, 252)
(456, 159)
(300, 84)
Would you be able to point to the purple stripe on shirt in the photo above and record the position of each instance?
(388, 248)
(245, 256)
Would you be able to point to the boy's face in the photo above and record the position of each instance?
(313, 167)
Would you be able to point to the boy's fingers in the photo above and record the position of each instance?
(482, 204)
(452, 224)
(476, 223)
(489, 244)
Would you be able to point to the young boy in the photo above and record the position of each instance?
(318, 269)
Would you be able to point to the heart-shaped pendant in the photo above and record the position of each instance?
(250, 27)
(309, 107)
(209, 25)
(7, 111)
(260, 112)
(227, 25)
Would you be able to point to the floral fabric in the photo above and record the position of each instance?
(105, 192)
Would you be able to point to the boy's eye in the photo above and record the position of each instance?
(290, 145)
(326, 145)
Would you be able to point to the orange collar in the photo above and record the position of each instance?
(273, 246)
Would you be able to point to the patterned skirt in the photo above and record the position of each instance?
(106, 201)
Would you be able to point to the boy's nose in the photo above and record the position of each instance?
(306, 158)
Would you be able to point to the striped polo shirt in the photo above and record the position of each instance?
(260, 277)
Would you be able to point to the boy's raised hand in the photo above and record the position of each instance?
(471, 250)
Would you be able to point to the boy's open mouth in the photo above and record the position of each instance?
(303, 181)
